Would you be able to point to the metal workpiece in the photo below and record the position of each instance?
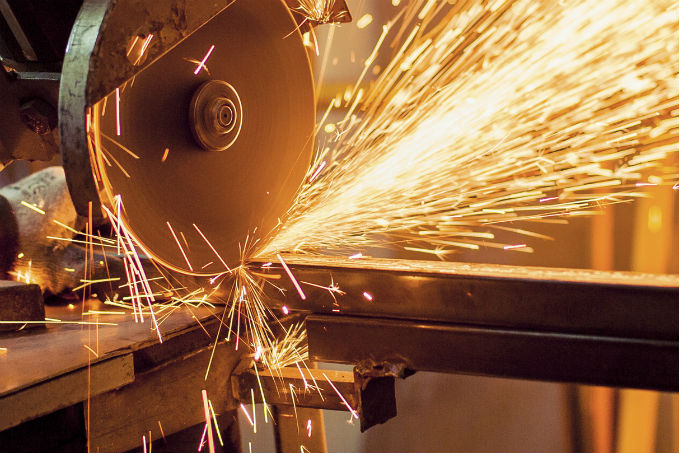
(512, 353)
(370, 396)
(575, 301)
(604, 328)
(208, 92)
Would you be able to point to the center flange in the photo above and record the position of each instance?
(215, 115)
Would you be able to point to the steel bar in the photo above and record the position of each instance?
(568, 325)
(537, 299)
(426, 346)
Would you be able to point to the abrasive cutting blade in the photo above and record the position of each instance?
(208, 146)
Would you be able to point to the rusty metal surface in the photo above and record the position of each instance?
(371, 395)
(277, 391)
(449, 348)
(20, 302)
(580, 302)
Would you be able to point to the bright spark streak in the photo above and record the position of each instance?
(292, 277)
(211, 248)
(179, 245)
(469, 127)
(214, 420)
(32, 207)
(254, 411)
(308, 427)
(202, 62)
(364, 21)
(512, 247)
(165, 153)
(356, 256)
(285, 310)
(247, 414)
(367, 296)
(118, 111)
(208, 421)
(317, 172)
(344, 401)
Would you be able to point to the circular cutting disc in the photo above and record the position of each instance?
(193, 208)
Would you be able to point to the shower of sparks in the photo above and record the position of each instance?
(495, 112)
(321, 11)
(488, 113)
(201, 64)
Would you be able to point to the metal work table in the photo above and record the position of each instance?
(604, 328)
(131, 384)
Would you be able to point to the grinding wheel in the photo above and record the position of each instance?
(206, 156)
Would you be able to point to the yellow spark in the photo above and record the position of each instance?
(91, 350)
(165, 153)
(364, 21)
(118, 111)
(214, 420)
(512, 247)
(33, 207)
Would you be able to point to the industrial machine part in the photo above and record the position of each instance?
(20, 302)
(198, 115)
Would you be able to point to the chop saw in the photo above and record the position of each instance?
(191, 120)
